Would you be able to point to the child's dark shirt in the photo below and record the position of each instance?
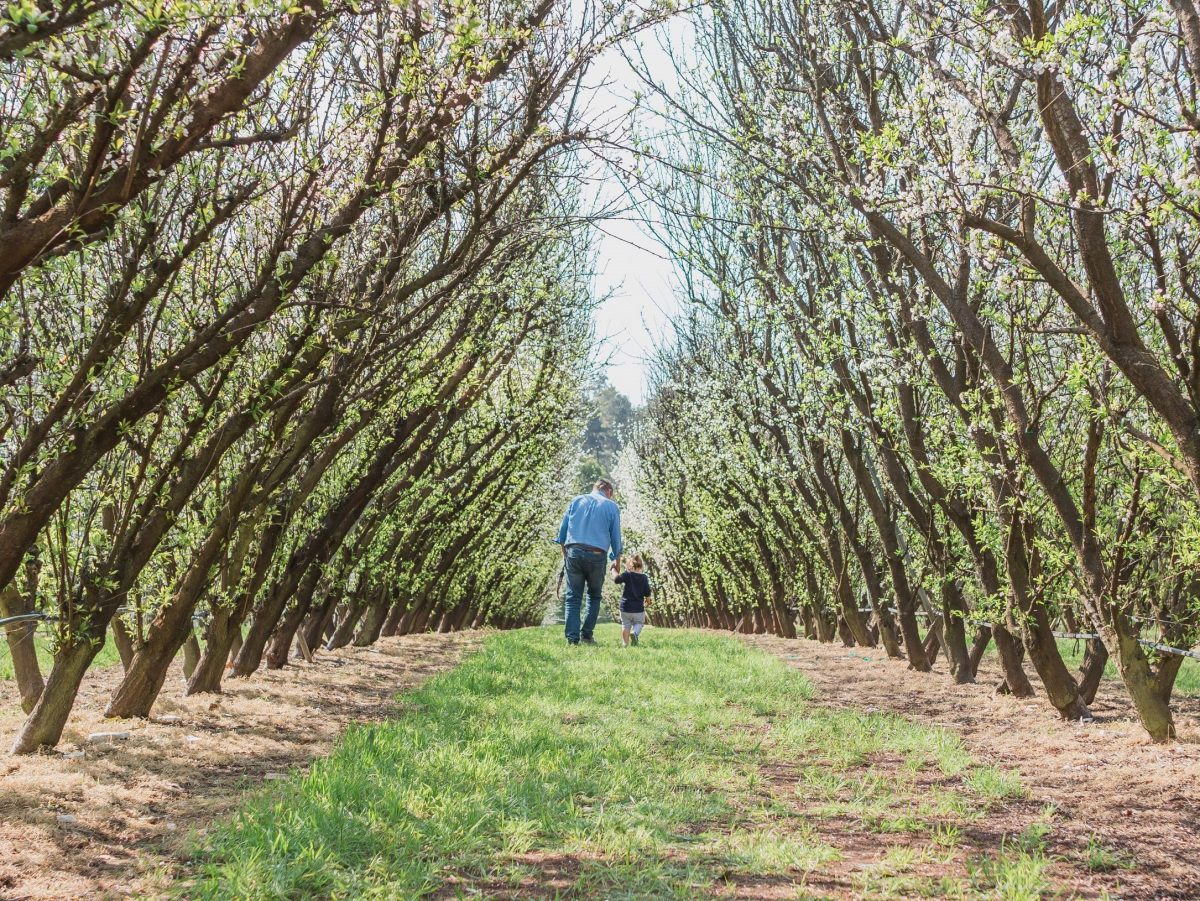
(637, 589)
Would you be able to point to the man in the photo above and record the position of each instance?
(591, 528)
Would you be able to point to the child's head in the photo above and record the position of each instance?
(636, 563)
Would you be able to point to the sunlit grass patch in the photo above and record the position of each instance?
(670, 771)
(527, 746)
(1034, 838)
(905, 822)
(947, 804)
(946, 835)
(1013, 875)
(1099, 858)
(646, 877)
(768, 852)
(848, 738)
(894, 876)
(995, 784)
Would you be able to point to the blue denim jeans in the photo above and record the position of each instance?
(583, 567)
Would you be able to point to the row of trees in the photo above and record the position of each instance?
(938, 380)
(293, 322)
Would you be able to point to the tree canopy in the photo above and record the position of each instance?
(935, 383)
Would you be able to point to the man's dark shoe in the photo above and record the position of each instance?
(590, 641)
(572, 644)
(633, 638)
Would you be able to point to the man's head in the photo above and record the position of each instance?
(604, 486)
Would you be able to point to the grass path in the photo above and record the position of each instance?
(689, 767)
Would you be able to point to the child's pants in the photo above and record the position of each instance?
(633, 621)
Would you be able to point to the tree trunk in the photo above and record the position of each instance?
(410, 617)
(191, 655)
(224, 633)
(124, 642)
(893, 554)
(931, 644)
(372, 623)
(851, 619)
(1011, 652)
(1153, 709)
(822, 623)
(262, 625)
(1095, 658)
(1061, 690)
(148, 669)
(21, 648)
(807, 622)
(219, 639)
(787, 624)
(1168, 671)
(172, 626)
(139, 689)
(954, 632)
(826, 628)
(395, 616)
(844, 632)
(421, 622)
(284, 636)
(979, 647)
(44, 726)
(344, 633)
(318, 621)
(884, 630)
(1060, 685)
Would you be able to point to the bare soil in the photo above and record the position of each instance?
(113, 818)
(1106, 779)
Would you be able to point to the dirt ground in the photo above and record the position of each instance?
(110, 818)
(1105, 778)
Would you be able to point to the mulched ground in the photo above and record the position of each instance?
(1105, 778)
(112, 819)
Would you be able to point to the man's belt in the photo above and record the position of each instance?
(588, 547)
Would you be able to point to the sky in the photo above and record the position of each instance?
(635, 317)
(634, 271)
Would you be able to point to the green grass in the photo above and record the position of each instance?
(1014, 875)
(108, 656)
(1099, 858)
(993, 783)
(663, 771)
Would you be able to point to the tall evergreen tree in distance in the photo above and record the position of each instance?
(610, 416)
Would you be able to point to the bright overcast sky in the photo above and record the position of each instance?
(632, 266)
(636, 317)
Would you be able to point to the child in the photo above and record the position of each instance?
(633, 599)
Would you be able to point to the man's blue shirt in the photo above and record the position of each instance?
(592, 519)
